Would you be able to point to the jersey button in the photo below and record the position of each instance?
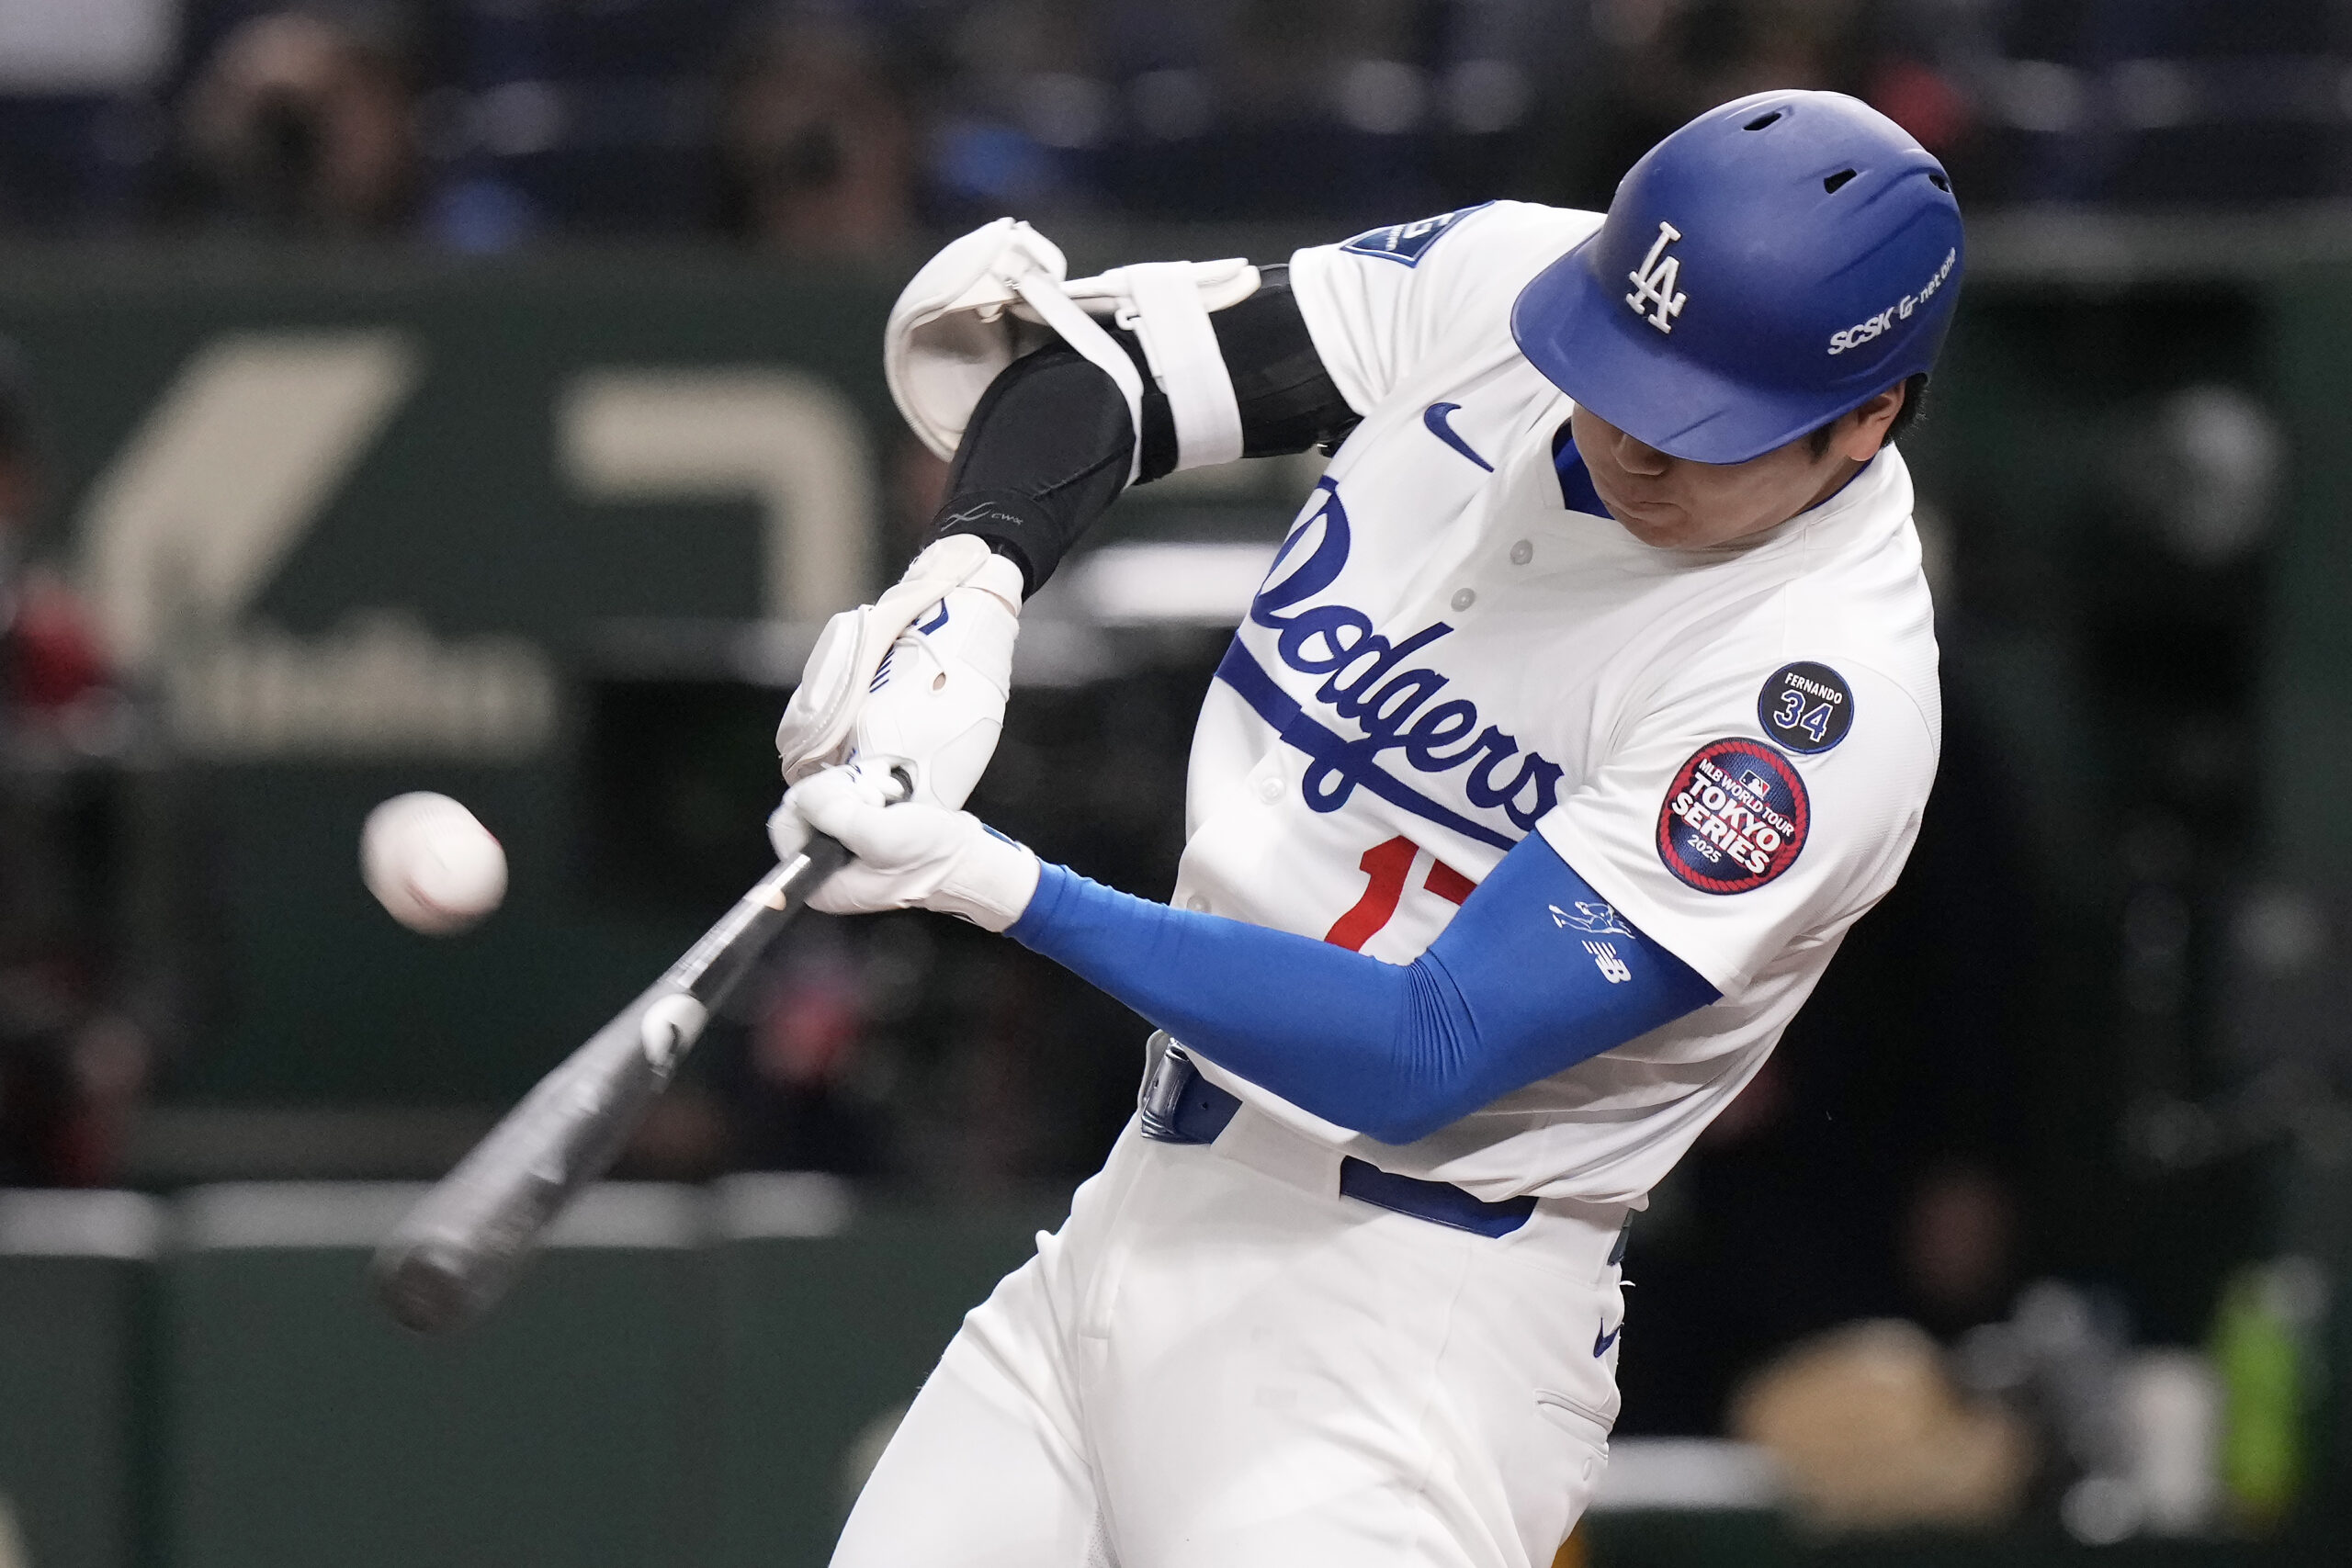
(1464, 599)
(1197, 904)
(1270, 790)
(1522, 552)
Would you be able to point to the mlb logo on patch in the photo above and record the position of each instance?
(1406, 242)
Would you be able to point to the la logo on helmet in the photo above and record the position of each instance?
(1654, 281)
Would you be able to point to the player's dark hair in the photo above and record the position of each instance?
(1915, 395)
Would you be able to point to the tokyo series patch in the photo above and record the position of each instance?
(1735, 817)
(1805, 707)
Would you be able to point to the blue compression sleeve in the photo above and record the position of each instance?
(1520, 986)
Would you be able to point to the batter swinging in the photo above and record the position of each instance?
(1590, 700)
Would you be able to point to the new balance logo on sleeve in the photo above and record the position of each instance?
(1604, 958)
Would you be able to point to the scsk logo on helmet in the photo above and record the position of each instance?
(1861, 333)
(1654, 281)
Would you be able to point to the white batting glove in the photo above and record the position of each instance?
(936, 707)
(911, 856)
(916, 682)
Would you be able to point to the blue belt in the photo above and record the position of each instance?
(1180, 1106)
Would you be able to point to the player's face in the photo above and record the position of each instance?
(1674, 503)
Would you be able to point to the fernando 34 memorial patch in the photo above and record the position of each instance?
(1735, 817)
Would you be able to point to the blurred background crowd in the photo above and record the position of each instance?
(2044, 1193)
(849, 127)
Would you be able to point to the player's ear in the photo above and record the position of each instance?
(1866, 433)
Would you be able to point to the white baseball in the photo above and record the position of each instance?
(430, 863)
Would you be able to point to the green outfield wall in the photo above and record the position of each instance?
(687, 1377)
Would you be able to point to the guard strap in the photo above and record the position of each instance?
(1169, 315)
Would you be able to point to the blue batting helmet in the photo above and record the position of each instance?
(1772, 264)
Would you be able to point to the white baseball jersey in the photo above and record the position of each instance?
(1457, 647)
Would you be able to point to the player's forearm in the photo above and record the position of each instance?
(1323, 1037)
(1050, 444)
(1047, 453)
(1505, 996)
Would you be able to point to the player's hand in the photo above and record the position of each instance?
(938, 704)
(916, 683)
(914, 855)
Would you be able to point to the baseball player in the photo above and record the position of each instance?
(1589, 701)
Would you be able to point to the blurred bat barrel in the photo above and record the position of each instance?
(455, 1255)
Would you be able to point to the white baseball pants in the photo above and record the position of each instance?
(1220, 1362)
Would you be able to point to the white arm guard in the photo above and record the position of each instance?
(990, 296)
(1167, 306)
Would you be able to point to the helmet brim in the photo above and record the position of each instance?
(1579, 330)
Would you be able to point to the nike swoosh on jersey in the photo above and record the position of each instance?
(1434, 416)
(1600, 1342)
